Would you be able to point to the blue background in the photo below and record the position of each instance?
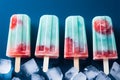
(62, 8)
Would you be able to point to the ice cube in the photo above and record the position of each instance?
(91, 72)
(30, 67)
(115, 71)
(102, 76)
(80, 76)
(54, 74)
(16, 78)
(5, 66)
(37, 77)
(5, 69)
(71, 73)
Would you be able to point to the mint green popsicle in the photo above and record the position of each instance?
(47, 45)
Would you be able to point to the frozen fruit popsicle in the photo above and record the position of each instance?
(104, 46)
(18, 45)
(75, 39)
(47, 45)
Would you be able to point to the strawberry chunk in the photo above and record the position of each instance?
(13, 22)
(103, 27)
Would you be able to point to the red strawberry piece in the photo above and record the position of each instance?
(21, 47)
(103, 27)
(52, 48)
(41, 48)
(13, 22)
(69, 44)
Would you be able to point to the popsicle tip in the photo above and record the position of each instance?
(48, 15)
(74, 16)
(15, 16)
(19, 14)
(98, 17)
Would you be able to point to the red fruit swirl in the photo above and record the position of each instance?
(105, 54)
(77, 52)
(46, 49)
(103, 27)
(13, 22)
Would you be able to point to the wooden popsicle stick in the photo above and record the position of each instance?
(76, 62)
(106, 66)
(17, 64)
(45, 63)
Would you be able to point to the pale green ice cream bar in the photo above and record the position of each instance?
(75, 38)
(19, 36)
(48, 37)
(104, 46)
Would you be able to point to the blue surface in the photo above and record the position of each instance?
(62, 8)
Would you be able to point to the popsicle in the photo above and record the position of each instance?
(47, 45)
(104, 46)
(75, 39)
(18, 45)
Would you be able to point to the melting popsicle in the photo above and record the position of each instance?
(18, 45)
(75, 39)
(47, 45)
(104, 46)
